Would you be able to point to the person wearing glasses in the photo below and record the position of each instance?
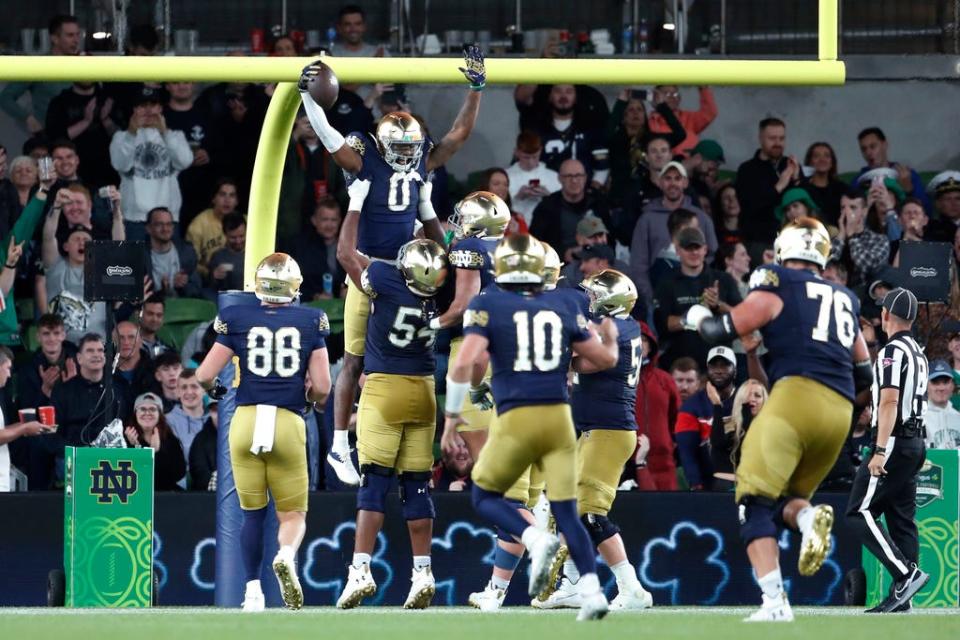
(556, 218)
(148, 427)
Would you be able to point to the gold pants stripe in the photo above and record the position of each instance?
(282, 471)
(794, 440)
(396, 422)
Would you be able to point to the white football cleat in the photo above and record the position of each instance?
(593, 606)
(488, 600)
(359, 585)
(422, 588)
(286, 572)
(816, 543)
(542, 552)
(635, 599)
(342, 465)
(567, 596)
(253, 601)
(773, 610)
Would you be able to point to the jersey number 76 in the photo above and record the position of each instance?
(842, 307)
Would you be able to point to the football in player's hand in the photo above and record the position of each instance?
(321, 83)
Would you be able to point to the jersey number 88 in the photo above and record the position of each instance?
(269, 352)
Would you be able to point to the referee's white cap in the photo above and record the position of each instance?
(901, 303)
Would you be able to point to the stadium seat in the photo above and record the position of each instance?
(176, 334)
(188, 310)
(334, 310)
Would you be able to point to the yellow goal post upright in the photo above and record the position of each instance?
(278, 123)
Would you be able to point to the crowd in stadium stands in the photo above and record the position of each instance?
(641, 186)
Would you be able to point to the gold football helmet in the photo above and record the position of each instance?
(423, 264)
(481, 214)
(551, 267)
(278, 279)
(611, 293)
(803, 239)
(401, 140)
(518, 259)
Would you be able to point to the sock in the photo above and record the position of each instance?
(625, 574)
(341, 440)
(494, 508)
(771, 584)
(499, 583)
(570, 571)
(805, 519)
(503, 559)
(421, 562)
(251, 542)
(581, 548)
(361, 559)
(589, 584)
(253, 587)
(287, 553)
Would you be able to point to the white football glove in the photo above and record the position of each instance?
(694, 316)
(357, 191)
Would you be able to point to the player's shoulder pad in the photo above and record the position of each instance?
(467, 254)
(366, 281)
(356, 142)
(765, 278)
(220, 324)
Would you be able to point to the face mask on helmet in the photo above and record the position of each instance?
(402, 156)
(481, 215)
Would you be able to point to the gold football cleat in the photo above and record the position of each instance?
(289, 584)
(555, 569)
(816, 547)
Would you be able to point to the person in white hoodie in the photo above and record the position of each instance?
(148, 157)
(941, 420)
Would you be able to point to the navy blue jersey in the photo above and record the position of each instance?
(814, 334)
(399, 338)
(392, 204)
(578, 296)
(274, 345)
(605, 400)
(473, 254)
(529, 344)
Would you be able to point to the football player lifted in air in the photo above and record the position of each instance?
(396, 421)
(529, 337)
(277, 344)
(603, 411)
(818, 361)
(389, 187)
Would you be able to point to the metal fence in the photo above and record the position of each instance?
(703, 27)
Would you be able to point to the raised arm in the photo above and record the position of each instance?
(475, 73)
(331, 139)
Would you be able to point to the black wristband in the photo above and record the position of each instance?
(10, 266)
(881, 451)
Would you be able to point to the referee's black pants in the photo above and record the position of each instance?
(893, 496)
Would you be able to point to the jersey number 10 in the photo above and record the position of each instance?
(533, 353)
(839, 302)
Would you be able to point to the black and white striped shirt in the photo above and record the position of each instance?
(901, 365)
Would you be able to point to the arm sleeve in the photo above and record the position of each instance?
(677, 132)
(688, 444)
(221, 326)
(323, 326)
(180, 154)
(890, 364)
(123, 147)
(701, 119)
(467, 255)
(476, 319)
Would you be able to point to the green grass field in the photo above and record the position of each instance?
(465, 624)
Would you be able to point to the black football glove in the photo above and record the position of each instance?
(481, 397)
(475, 71)
(218, 391)
(309, 72)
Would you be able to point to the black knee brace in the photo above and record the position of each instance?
(415, 495)
(758, 518)
(375, 483)
(599, 527)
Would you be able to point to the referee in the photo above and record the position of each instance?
(887, 485)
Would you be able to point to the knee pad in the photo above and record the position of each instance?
(599, 527)
(375, 483)
(757, 518)
(415, 495)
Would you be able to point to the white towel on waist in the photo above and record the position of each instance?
(264, 429)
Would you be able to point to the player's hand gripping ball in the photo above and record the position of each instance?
(321, 83)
